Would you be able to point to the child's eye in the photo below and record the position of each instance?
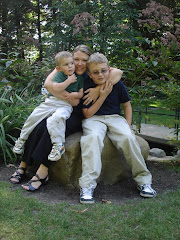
(104, 71)
(95, 73)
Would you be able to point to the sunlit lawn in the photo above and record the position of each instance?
(156, 114)
(26, 218)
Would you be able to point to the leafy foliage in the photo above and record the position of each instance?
(20, 73)
(14, 110)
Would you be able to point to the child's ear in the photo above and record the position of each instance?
(58, 68)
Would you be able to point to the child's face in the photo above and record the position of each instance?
(99, 72)
(66, 66)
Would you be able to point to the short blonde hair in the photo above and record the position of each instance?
(59, 56)
(97, 58)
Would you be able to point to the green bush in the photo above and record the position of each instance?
(152, 75)
(21, 73)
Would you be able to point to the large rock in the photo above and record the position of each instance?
(114, 167)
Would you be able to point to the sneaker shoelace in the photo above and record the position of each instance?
(149, 187)
(87, 191)
(19, 144)
(55, 148)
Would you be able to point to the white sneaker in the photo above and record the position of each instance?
(86, 195)
(56, 152)
(146, 190)
(19, 146)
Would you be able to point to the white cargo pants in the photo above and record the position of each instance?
(57, 111)
(119, 132)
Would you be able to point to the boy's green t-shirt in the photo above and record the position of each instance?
(73, 87)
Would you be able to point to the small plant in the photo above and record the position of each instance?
(14, 110)
(4, 143)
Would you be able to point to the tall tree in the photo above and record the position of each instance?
(3, 21)
(39, 31)
(15, 24)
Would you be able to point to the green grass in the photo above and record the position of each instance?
(26, 218)
(156, 118)
(157, 107)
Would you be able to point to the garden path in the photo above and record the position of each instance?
(156, 131)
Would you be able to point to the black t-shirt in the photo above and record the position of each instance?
(112, 103)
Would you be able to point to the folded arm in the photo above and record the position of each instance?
(93, 93)
(104, 92)
(63, 94)
(49, 86)
(59, 87)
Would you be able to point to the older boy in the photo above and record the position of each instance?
(57, 110)
(103, 117)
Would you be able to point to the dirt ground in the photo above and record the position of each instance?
(165, 178)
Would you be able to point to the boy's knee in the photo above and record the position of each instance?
(91, 135)
(92, 138)
(128, 139)
(129, 136)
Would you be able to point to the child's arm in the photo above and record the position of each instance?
(75, 95)
(80, 93)
(93, 93)
(104, 92)
(63, 94)
(128, 112)
(59, 87)
(48, 84)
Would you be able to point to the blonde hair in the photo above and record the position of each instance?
(97, 58)
(59, 56)
(83, 48)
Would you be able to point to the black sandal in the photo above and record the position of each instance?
(18, 175)
(42, 181)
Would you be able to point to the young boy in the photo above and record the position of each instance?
(103, 117)
(57, 110)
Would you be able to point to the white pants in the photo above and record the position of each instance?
(57, 111)
(119, 132)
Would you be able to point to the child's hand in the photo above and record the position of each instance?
(72, 78)
(106, 89)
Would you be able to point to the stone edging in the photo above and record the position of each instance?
(164, 159)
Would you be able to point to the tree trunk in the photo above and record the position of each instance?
(39, 31)
(4, 6)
